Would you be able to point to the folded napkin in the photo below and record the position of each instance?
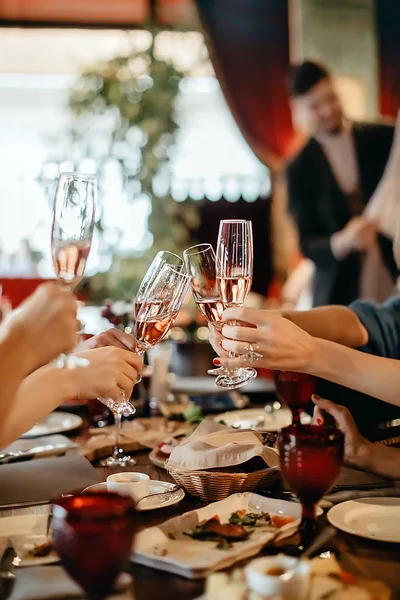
(137, 434)
(53, 583)
(213, 446)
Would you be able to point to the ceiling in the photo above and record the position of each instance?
(97, 13)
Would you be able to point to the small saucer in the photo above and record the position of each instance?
(155, 487)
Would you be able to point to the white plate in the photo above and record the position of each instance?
(157, 458)
(156, 487)
(257, 418)
(372, 518)
(56, 422)
(25, 532)
(193, 559)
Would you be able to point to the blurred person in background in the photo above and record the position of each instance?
(330, 183)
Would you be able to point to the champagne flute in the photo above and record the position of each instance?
(93, 535)
(310, 460)
(71, 235)
(294, 390)
(234, 269)
(200, 264)
(159, 306)
(162, 258)
(154, 318)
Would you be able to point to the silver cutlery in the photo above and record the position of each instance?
(42, 449)
(159, 495)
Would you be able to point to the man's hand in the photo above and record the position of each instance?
(357, 236)
(111, 337)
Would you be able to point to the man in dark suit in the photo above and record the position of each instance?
(330, 182)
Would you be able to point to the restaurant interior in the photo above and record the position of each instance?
(199, 300)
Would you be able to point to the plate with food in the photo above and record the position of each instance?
(259, 419)
(162, 452)
(216, 536)
(27, 534)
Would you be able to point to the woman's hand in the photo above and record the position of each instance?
(356, 447)
(278, 343)
(110, 337)
(110, 370)
(45, 325)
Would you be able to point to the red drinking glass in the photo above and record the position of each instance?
(310, 459)
(93, 536)
(294, 390)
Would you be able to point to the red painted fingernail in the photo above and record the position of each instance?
(216, 361)
(320, 422)
(220, 345)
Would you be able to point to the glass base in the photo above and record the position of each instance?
(233, 380)
(217, 372)
(118, 461)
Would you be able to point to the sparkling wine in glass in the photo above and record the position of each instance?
(71, 235)
(294, 390)
(200, 263)
(310, 460)
(234, 270)
(93, 535)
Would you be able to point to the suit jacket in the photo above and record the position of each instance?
(320, 209)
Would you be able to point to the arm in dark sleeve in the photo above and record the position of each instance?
(382, 323)
(313, 245)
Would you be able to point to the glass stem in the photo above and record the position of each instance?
(118, 426)
(139, 353)
(308, 525)
(296, 412)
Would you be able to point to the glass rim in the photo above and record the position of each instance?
(171, 253)
(77, 175)
(188, 253)
(182, 274)
(324, 431)
(235, 221)
(117, 505)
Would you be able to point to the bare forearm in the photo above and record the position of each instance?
(335, 323)
(372, 375)
(36, 397)
(382, 460)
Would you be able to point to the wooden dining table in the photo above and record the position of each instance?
(369, 559)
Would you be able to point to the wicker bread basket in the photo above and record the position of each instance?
(214, 485)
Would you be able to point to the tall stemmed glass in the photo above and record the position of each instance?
(71, 235)
(310, 459)
(154, 318)
(200, 263)
(161, 258)
(234, 269)
(159, 306)
(93, 536)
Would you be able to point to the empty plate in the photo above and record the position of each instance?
(56, 422)
(372, 518)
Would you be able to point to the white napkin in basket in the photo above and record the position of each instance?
(213, 445)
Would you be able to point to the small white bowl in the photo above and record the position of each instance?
(293, 584)
(135, 485)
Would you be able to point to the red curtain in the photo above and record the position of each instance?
(248, 42)
(388, 23)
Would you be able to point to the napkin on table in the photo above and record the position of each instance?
(213, 446)
(53, 583)
(137, 434)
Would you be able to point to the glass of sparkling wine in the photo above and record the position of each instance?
(71, 235)
(159, 306)
(200, 264)
(234, 269)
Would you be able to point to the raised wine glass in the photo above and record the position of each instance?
(234, 270)
(71, 235)
(294, 390)
(155, 315)
(310, 460)
(200, 263)
(93, 535)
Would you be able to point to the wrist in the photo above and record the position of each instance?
(362, 454)
(16, 348)
(311, 361)
(339, 246)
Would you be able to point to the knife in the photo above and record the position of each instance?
(43, 450)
